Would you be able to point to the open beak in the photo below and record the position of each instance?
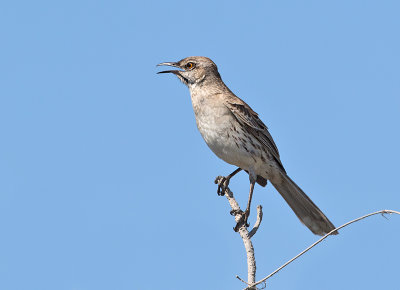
(176, 72)
(174, 64)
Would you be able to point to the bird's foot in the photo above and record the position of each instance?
(242, 220)
(223, 183)
(236, 211)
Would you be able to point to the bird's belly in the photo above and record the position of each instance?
(224, 136)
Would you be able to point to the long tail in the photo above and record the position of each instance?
(308, 213)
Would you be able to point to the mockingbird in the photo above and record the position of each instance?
(235, 133)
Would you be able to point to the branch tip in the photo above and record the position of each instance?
(242, 280)
(258, 221)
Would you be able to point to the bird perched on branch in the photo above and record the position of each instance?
(235, 133)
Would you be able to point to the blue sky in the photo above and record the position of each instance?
(105, 182)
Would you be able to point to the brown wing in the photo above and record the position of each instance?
(250, 120)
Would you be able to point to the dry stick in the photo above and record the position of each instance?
(385, 211)
(244, 233)
(258, 221)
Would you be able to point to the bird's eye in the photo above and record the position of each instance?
(190, 65)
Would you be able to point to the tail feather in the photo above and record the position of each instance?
(308, 213)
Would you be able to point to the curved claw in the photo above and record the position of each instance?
(239, 223)
(243, 219)
(223, 183)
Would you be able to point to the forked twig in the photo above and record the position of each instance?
(244, 233)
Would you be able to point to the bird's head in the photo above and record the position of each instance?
(193, 70)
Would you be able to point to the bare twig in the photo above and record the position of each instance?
(258, 221)
(237, 277)
(244, 233)
(385, 211)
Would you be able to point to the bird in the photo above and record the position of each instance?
(236, 134)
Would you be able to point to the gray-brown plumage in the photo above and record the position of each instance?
(235, 133)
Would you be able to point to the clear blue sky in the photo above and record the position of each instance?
(105, 182)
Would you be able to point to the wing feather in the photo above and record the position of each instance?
(250, 120)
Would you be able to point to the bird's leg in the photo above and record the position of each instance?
(224, 182)
(247, 211)
(246, 214)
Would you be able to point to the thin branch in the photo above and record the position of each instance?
(258, 221)
(241, 280)
(385, 211)
(243, 232)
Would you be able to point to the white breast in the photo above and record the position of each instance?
(215, 123)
